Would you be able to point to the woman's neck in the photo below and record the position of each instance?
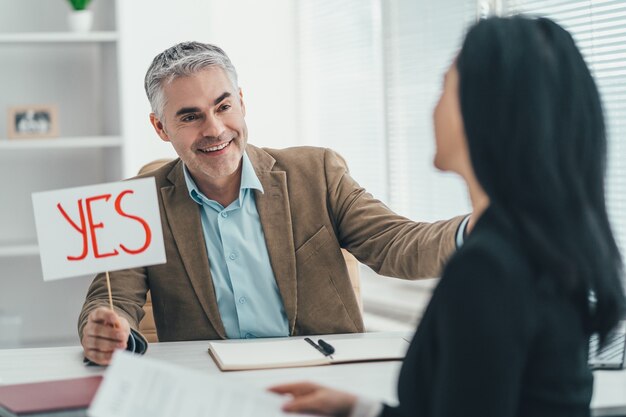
(478, 197)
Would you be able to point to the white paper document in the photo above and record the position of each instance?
(135, 386)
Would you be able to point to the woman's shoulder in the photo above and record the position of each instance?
(488, 284)
(492, 256)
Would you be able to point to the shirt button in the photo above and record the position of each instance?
(224, 214)
(242, 300)
(233, 256)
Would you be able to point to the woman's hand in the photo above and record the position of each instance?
(316, 399)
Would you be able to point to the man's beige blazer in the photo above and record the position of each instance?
(310, 209)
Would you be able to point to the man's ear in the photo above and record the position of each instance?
(243, 105)
(159, 127)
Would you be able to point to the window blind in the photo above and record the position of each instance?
(341, 85)
(370, 73)
(421, 39)
(599, 29)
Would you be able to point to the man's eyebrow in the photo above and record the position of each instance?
(186, 110)
(222, 97)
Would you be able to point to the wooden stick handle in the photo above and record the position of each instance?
(109, 289)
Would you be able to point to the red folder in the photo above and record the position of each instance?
(66, 394)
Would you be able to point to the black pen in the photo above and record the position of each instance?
(316, 346)
(327, 347)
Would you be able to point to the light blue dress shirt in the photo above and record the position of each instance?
(460, 232)
(248, 298)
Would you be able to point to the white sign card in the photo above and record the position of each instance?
(104, 227)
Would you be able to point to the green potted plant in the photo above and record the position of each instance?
(80, 18)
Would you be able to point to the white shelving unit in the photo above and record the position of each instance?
(43, 63)
(56, 37)
(60, 143)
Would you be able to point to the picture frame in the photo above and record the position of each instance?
(32, 121)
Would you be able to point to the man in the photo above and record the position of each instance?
(253, 236)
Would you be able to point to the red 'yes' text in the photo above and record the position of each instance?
(86, 226)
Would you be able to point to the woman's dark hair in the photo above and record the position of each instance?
(537, 142)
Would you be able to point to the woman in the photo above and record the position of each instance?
(507, 329)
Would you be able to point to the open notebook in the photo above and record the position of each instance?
(291, 352)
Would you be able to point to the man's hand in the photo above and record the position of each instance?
(316, 399)
(104, 332)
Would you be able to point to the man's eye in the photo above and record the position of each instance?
(225, 107)
(189, 118)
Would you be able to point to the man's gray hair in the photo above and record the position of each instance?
(181, 60)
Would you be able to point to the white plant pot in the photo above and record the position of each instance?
(80, 20)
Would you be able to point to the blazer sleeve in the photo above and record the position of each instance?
(386, 242)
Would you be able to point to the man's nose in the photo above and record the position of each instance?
(212, 126)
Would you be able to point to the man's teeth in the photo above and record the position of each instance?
(216, 148)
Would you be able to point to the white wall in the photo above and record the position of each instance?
(258, 36)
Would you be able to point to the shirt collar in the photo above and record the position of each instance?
(249, 180)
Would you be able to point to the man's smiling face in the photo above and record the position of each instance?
(203, 118)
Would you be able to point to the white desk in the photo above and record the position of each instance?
(372, 379)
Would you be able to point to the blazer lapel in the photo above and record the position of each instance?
(273, 208)
(184, 220)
